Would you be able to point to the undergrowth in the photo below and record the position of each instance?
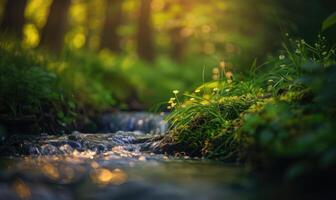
(30, 94)
(279, 117)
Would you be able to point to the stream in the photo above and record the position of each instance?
(120, 162)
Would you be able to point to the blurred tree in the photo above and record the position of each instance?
(55, 28)
(145, 38)
(13, 19)
(177, 38)
(113, 18)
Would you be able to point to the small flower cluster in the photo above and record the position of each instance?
(282, 59)
(300, 44)
(221, 71)
(173, 102)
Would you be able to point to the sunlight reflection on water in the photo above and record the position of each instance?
(119, 171)
(197, 179)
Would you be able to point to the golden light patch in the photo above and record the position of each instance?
(103, 176)
(21, 189)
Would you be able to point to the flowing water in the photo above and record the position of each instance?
(116, 164)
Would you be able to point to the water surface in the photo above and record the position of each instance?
(112, 165)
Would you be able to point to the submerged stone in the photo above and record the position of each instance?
(67, 149)
(34, 150)
(48, 149)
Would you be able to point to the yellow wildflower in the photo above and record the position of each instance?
(222, 65)
(229, 75)
(215, 71)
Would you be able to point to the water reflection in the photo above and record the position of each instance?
(21, 189)
(111, 166)
(105, 176)
(100, 178)
(50, 171)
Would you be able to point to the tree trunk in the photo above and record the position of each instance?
(113, 18)
(178, 43)
(13, 19)
(178, 40)
(55, 28)
(145, 41)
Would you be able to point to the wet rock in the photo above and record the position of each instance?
(119, 141)
(48, 149)
(67, 149)
(75, 135)
(100, 148)
(130, 148)
(34, 151)
(44, 134)
(74, 144)
(167, 146)
(145, 146)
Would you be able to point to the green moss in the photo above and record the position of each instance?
(281, 118)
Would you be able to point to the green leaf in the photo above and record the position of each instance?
(209, 85)
(71, 104)
(329, 22)
(254, 66)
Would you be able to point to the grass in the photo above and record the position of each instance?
(205, 116)
(29, 93)
(280, 116)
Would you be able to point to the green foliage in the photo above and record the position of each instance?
(329, 22)
(291, 136)
(86, 81)
(281, 119)
(28, 89)
(25, 85)
(295, 132)
(295, 60)
(211, 111)
(103, 80)
(302, 131)
(86, 76)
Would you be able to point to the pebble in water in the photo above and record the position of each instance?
(34, 151)
(49, 149)
(100, 148)
(75, 144)
(66, 149)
